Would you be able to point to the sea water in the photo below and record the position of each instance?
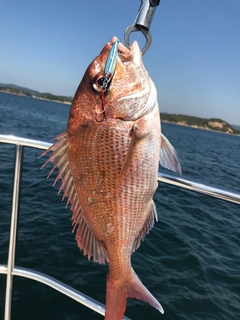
(190, 261)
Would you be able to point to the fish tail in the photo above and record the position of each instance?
(119, 290)
(116, 300)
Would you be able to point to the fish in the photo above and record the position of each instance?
(108, 161)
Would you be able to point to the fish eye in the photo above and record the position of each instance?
(100, 81)
(97, 82)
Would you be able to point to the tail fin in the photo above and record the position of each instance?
(116, 300)
(119, 290)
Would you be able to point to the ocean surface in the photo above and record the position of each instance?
(190, 261)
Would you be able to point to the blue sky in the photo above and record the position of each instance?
(194, 60)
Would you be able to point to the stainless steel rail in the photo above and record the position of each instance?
(204, 188)
(13, 230)
(11, 270)
(57, 285)
(10, 139)
(185, 183)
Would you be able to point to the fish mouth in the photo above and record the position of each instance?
(133, 53)
(142, 89)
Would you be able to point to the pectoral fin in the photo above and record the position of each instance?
(138, 132)
(169, 158)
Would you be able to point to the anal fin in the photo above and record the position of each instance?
(147, 226)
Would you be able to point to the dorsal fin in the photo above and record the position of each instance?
(84, 236)
(147, 226)
(169, 158)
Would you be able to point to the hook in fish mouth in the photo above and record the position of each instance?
(103, 81)
(115, 48)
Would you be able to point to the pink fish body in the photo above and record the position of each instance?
(108, 162)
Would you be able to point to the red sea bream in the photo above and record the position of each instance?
(108, 162)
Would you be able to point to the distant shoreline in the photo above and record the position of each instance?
(35, 97)
(213, 124)
(16, 94)
(64, 102)
(199, 127)
(180, 120)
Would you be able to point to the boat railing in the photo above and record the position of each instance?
(11, 270)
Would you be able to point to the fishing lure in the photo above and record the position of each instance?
(110, 64)
(109, 69)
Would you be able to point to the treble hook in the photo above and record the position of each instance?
(142, 23)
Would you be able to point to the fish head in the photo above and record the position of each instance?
(129, 95)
